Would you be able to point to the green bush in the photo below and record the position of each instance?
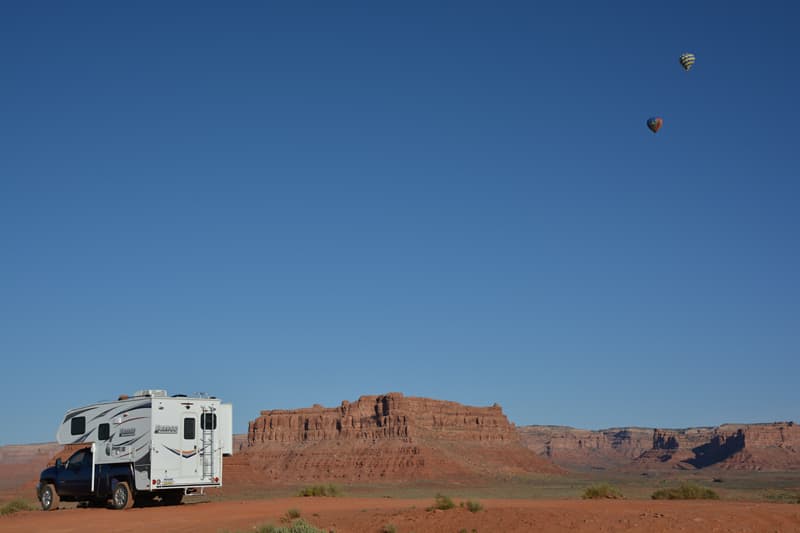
(15, 506)
(320, 490)
(473, 507)
(299, 526)
(293, 514)
(601, 491)
(687, 491)
(389, 528)
(443, 503)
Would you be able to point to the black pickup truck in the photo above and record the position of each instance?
(80, 480)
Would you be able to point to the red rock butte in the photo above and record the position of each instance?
(388, 437)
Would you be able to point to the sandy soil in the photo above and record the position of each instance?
(372, 514)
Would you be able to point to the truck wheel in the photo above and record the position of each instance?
(48, 497)
(122, 498)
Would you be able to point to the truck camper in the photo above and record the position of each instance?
(142, 447)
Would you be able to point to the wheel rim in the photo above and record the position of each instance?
(46, 498)
(120, 497)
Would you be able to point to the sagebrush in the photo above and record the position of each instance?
(602, 491)
(320, 490)
(299, 526)
(15, 506)
(442, 503)
(473, 507)
(686, 491)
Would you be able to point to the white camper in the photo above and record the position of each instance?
(173, 444)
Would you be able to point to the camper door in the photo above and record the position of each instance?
(189, 447)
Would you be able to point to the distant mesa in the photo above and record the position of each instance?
(578, 449)
(389, 437)
(20, 463)
(772, 446)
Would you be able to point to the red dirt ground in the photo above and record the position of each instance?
(370, 515)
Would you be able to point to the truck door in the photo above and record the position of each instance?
(76, 478)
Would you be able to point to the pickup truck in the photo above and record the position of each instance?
(80, 480)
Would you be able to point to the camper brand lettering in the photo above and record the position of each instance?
(166, 429)
(127, 432)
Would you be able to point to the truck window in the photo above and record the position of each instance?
(103, 431)
(188, 428)
(76, 461)
(78, 425)
(208, 421)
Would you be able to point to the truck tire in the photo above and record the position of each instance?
(48, 498)
(122, 497)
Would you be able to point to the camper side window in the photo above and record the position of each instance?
(78, 425)
(208, 421)
(188, 428)
(103, 431)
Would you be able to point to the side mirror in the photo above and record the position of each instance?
(59, 463)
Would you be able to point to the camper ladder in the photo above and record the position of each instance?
(208, 426)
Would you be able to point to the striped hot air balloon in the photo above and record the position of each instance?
(687, 60)
(654, 123)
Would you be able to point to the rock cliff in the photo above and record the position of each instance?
(385, 437)
(773, 446)
(582, 448)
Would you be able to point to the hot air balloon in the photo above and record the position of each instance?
(654, 123)
(687, 60)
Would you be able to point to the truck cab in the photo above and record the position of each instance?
(74, 478)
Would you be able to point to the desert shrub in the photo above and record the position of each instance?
(686, 491)
(389, 528)
(299, 526)
(293, 514)
(473, 507)
(601, 491)
(443, 503)
(15, 506)
(320, 490)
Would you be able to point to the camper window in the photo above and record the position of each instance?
(208, 421)
(103, 431)
(78, 425)
(188, 428)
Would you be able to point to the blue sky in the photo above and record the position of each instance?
(292, 203)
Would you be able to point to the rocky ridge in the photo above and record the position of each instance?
(772, 446)
(580, 448)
